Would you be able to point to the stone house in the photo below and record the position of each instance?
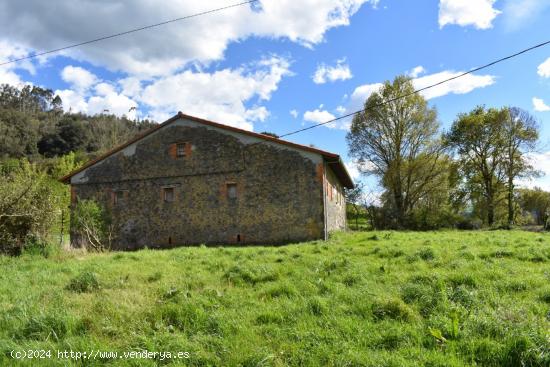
(193, 181)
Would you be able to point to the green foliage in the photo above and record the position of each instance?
(27, 202)
(92, 224)
(321, 305)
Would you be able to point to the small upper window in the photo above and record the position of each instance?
(231, 190)
(168, 194)
(180, 150)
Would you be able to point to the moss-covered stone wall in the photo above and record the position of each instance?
(279, 192)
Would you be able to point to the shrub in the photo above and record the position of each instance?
(426, 254)
(27, 200)
(92, 225)
(83, 282)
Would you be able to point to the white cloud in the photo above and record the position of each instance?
(325, 73)
(318, 116)
(479, 13)
(539, 105)
(341, 110)
(462, 85)
(540, 162)
(221, 95)
(166, 49)
(361, 93)
(78, 78)
(415, 72)
(89, 95)
(353, 170)
(294, 113)
(9, 51)
(518, 13)
(257, 114)
(544, 69)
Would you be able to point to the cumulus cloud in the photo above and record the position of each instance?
(540, 162)
(415, 72)
(9, 51)
(478, 13)
(166, 49)
(294, 113)
(540, 105)
(318, 116)
(353, 170)
(79, 78)
(362, 93)
(518, 13)
(544, 69)
(90, 95)
(462, 85)
(326, 73)
(222, 95)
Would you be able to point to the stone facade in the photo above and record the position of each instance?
(191, 183)
(335, 202)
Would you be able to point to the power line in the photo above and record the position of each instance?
(128, 32)
(420, 90)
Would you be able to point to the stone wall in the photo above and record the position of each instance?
(279, 194)
(335, 202)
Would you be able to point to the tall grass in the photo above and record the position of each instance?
(360, 299)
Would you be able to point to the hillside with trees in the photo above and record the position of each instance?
(39, 143)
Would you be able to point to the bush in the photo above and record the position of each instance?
(27, 205)
(92, 225)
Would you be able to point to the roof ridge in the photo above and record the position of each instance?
(181, 115)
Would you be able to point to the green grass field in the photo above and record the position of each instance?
(360, 299)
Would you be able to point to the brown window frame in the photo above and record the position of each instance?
(164, 192)
(231, 187)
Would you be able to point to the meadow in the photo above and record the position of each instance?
(449, 298)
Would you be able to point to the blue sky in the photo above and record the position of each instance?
(283, 65)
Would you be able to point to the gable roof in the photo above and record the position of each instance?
(333, 159)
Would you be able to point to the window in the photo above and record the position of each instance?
(231, 190)
(168, 194)
(180, 150)
(119, 197)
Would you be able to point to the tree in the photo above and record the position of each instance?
(396, 139)
(537, 203)
(270, 134)
(26, 204)
(353, 199)
(479, 140)
(521, 133)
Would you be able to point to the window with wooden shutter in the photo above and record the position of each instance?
(180, 150)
